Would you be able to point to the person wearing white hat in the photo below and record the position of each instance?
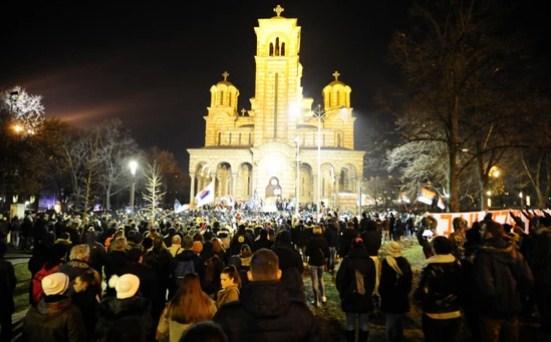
(394, 288)
(126, 313)
(55, 318)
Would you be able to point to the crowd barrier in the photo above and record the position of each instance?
(502, 216)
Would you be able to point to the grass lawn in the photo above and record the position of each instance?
(332, 320)
(21, 296)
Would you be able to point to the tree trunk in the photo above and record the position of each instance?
(453, 176)
(108, 197)
(87, 193)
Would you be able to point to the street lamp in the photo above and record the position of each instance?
(521, 196)
(133, 166)
(297, 192)
(318, 113)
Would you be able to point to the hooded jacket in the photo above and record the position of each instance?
(57, 320)
(502, 275)
(266, 313)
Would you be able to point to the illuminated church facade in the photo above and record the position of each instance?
(254, 154)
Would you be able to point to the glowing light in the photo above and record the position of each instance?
(495, 172)
(133, 166)
(520, 195)
(17, 128)
(488, 193)
(294, 110)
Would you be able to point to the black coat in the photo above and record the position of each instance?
(56, 321)
(266, 313)
(351, 300)
(394, 289)
(502, 275)
(7, 287)
(440, 288)
(317, 251)
(113, 311)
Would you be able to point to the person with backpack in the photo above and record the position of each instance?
(355, 282)
(394, 288)
(185, 263)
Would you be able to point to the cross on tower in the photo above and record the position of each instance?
(225, 74)
(278, 9)
(243, 111)
(336, 74)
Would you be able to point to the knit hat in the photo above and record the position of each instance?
(55, 284)
(394, 249)
(126, 285)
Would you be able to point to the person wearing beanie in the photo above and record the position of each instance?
(355, 282)
(439, 292)
(127, 306)
(502, 278)
(394, 288)
(54, 318)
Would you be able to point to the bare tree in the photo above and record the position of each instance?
(454, 59)
(153, 194)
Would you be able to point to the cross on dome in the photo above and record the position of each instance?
(336, 74)
(225, 74)
(278, 9)
(243, 111)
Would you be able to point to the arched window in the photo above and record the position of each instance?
(339, 140)
(277, 47)
(239, 142)
(219, 138)
(283, 49)
(271, 49)
(221, 97)
(230, 140)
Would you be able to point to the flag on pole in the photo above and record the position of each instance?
(426, 196)
(441, 203)
(206, 195)
(179, 207)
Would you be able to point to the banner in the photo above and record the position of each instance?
(426, 196)
(445, 220)
(206, 195)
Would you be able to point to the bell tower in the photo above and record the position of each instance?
(278, 79)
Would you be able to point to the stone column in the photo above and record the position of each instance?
(233, 185)
(192, 188)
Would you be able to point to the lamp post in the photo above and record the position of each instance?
(319, 114)
(297, 192)
(133, 166)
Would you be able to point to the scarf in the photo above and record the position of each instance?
(391, 261)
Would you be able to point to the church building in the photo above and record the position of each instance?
(283, 146)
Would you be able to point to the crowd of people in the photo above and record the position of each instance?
(232, 277)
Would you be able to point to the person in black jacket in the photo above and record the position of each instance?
(502, 276)
(264, 311)
(355, 282)
(290, 264)
(394, 288)
(7, 287)
(439, 292)
(317, 252)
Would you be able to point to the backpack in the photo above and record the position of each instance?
(184, 267)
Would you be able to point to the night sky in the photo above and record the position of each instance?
(152, 64)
